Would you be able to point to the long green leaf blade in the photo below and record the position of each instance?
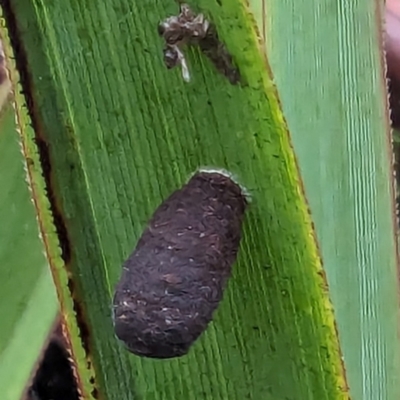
(37, 166)
(28, 303)
(329, 69)
(122, 132)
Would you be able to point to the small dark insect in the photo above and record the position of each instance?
(191, 29)
(174, 280)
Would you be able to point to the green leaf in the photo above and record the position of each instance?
(28, 303)
(328, 64)
(121, 133)
(51, 227)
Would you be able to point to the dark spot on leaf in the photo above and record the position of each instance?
(30, 162)
(216, 51)
(80, 317)
(58, 218)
